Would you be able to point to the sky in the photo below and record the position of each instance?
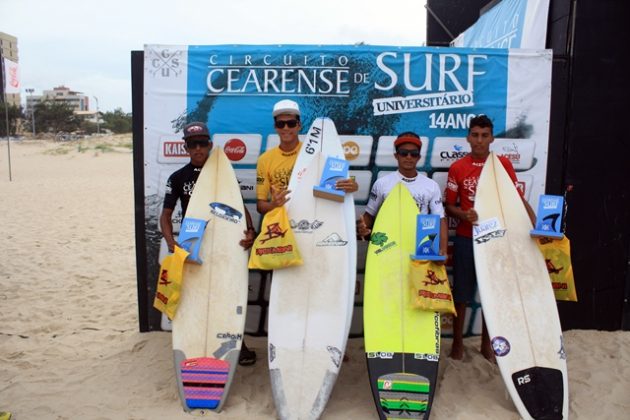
(86, 45)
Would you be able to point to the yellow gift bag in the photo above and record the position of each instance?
(170, 282)
(557, 254)
(430, 290)
(275, 246)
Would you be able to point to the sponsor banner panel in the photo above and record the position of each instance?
(372, 93)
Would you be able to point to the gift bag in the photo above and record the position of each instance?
(275, 247)
(430, 290)
(170, 282)
(557, 254)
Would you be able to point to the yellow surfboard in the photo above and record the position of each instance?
(402, 343)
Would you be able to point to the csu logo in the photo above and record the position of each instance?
(165, 63)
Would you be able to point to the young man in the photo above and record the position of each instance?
(461, 187)
(425, 191)
(274, 167)
(180, 186)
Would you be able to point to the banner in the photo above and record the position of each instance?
(372, 93)
(509, 24)
(11, 77)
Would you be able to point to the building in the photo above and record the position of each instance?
(8, 49)
(61, 94)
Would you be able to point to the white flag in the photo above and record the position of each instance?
(11, 77)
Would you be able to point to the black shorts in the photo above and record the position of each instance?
(464, 275)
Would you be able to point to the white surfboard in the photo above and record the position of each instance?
(210, 320)
(311, 305)
(517, 299)
(322, 137)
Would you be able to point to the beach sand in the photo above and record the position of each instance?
(69, 341)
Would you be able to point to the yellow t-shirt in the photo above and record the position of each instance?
(274, 168)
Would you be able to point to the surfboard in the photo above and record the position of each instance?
(322, 136)
(517, 299)
(310, 306)
(402, 344)
(210, 319)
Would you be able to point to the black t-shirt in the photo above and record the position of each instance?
(180, 186)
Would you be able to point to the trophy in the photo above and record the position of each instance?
(334, 169)
(190, 237)
(549, 217)
(428, 238)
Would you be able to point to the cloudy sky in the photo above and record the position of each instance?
(86, 45)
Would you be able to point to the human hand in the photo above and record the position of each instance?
(347, 185)
(248, 240)
(471, 215)
(279, 197)
(362, 230)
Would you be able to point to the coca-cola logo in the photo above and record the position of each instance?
(235, 149)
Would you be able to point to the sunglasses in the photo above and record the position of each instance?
(405, 153)
(194, 143)
(289, 123)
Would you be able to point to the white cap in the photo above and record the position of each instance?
(286, 106)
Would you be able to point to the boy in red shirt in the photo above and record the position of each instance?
(461, 187)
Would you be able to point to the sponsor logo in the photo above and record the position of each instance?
(487, 230)
(380, 355)
(427, 357)
(275, 250)
(272, 352)
(522, 380)
(458, 152)
(173, 149)
(334, 239)
(235, 149)
(428, 223)
(230, 336)
(226, 212)
(304, 226)
(273, 231)
(387, 384)
(164, 63)
(192, 227)
(380, 239)
(500, 346)
(351, 150)
(550, 203)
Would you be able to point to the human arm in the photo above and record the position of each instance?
(166, 225)
(443, 236)
(250, 232)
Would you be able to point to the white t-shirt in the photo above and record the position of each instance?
(425, 192)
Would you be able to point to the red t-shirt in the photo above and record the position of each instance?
(463, 176)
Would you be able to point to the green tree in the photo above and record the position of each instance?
(117, 121)
(51, 116)
(15, 113)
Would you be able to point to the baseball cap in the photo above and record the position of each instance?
(407, 139)
(286, 106)
(194, 129)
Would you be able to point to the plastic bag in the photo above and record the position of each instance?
(170, 282)
(275, 247)
(557, 254)
(430, 290)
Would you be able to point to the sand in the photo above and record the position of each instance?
(69, 341)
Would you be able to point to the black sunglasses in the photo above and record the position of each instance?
(289, 123)
(192, 144)
(405, 153)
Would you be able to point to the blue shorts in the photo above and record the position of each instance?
(464, 275)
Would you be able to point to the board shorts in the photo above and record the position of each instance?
(464, 275)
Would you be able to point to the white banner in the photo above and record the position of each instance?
(11, 77)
